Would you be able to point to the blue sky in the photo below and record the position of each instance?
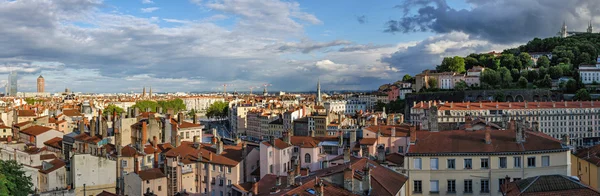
(198, 45)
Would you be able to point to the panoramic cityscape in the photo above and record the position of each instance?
(277, 97)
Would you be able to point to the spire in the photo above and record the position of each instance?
(318, 99)
(150, 95)
(144, 92)
(590, 28)
(563, 30)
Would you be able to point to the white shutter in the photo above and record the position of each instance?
(418, 163)
(434, 163)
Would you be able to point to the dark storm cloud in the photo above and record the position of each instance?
(502, 21)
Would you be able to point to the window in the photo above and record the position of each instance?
(530, 161)
(545, 161)
(228, 169)
(451, 186)
(214, 167)
(451, 164)
(147, 181)
(517, 161)
(485, 186)
(401, 149)
(468, 186)
(485, 163)
(417, 163)
(221, 182)
(434, 186)
(270, 153)
(271, 169)
(213, 180)
(124, 163)
(468, 163)
(307, 158)
(501, 181)
(433, 163)
(502, 162)
(149, 159)
(159, 188)
(418, 187)
(228, 182)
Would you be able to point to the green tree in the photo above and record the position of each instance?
(566, 69)
(176, 105)
(461, 85)
(407, 78)
(13, 179)
(555, 72)
(379, 105)
(218, 109)
(532, 75)
(509, 61)
(146, 104)
(583, 58)
(582, 95)
(505, 76)
(571, 86)
(111, 108)
(543, 61)
(192, 113)
(515, 74)
(522, 82)
(471, 62)
(499, 96)
(432, 82)
(546, 82)
(455, 64)
(32, 101)
(490, 77)
(525, 59)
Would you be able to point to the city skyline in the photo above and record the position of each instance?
(198, 46)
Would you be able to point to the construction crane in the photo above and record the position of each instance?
(252, 87)
(266, 85)
(225, 88)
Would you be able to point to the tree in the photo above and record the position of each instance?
(499, 96)
(546, 82)
(525, 59)
(379, 105)
(176, 105)
(515, 74)
(583, 58)
(571, 86)
(505, 76)
(461, 85)
(490, 77)
(146, 104)
(532, 75)
(111, 108)
(522, 82)
(432, 82)
(471, 62)
(13, 179)
(31, 101)
(543, 61)
(407, 78)
(555, 72)
(218, 109)
(192, 113)
(508, 61)
(454, 64)
(582, 95)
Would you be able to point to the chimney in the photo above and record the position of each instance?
(566, 139)
(9, 139)
(352, 137)
(195, 119)
(341, 139)
(347, 155)
(278, 180)
(196, 139)
(468, 122)
(104, 129)
(255, 188)
(136, 165)
(291, 178)
(488, 136)
(413, 134)
(286, 137)
(380, 154)
(553, 104)
(209, 156)
(219, 147)
(244, 150)
(298, 171)
(348, 178)
(213, 140)
(136, 112)
(93, 127)
(177, 141)
(144, 133)
(180, 118)
(366, 179)
(393, 132)
(155, 145)
(375, 121)
(319, 187)
(272, 140)
(480, 104)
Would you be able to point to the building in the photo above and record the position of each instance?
(585, 164)
(547, 185)
(40, 84)
(399, 91)
(576, 119)
(149, 181)
(12, 83)
(238, 119)
(37, 135)
(92, 173)
(52, 176)
(345, 107)
(200, 104)
(590, 73)
(565, 33)
(479, 161)
(275, 157)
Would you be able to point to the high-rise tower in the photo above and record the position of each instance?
(40, 84)
(12, 79)
(318, 99)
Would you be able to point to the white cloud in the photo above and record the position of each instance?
(147, 1)
(149, 9)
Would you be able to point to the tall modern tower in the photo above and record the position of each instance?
(318, 99)
(12, 80)
(40, 84)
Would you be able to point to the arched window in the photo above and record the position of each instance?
(307, 158)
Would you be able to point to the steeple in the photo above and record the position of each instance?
(318, 99)
(563, 30)
(590, 28)
(144, 92)
(150, 95)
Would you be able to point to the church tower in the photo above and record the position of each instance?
(563, 30)
(590, 28)
(144, 92)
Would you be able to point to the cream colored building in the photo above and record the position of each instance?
(463, 162)
(238, 119)
(577, 119)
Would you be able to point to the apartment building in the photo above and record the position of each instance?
(209, 169)
(200, 103)
(479, 162)
(275, 156)
(577, 119)
(590, 73)
(586, 166)
(238, 119)
(345, 107)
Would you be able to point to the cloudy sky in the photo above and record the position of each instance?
(199, 45)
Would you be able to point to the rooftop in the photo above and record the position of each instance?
(507, 105)
(548, 185)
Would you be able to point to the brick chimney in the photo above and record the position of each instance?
(366, 179)
(144, 133)
(255, 188)
(381, 153)
(413, 134)
(219, 147)
(93, 127)
(291, 178)
(348, 178)
(319, 187)
(488, 136)
(177, 141)
(180, 118)
(155, 145)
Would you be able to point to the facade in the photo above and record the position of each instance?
(590, 73)
(577, 119)
(200, 104)
(152, 181)
(275, 157)
(369, 99)
(585, 166)
(479, 162)
(52, 176)
(399, 91)
(12, 83)
(345, 107)
(40, 84)
(96, 173)
(37, 135)
(238, 119)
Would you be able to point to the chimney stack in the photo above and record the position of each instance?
(348, 178)
(144, 133)
(93, 127)
(393, 131)
(136, 166)
(219, 146)
(347, 155)
(352, 137)
(468, 122)
(255, 188)
(180, 118)
(366, 179)
(413, 134)
(319, 187)
(195, 119)
(177, 140)
(488, 136)
(278, 180)
(155, 145)
(291, 178)
(341, 139)
(380, 154)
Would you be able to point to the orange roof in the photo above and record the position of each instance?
(386, 130)
(23, 113)
(151, 174)
(304, 141)
(185, 125)
(54, 142)
(56, 164)
(128, 151)
(71, 113)
(21, 124)
(47, 156)
(231, 156)
(368, 141)
(508, 105)
(36, 130)
(279, 144)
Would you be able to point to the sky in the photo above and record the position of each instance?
(200, 45)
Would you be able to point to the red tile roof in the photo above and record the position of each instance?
(395, 158)
(26, 113)
(35, 130)
(591, 154)
(47, 156)
(231, 156)
(368, 141)
(71, 113)
(128, 151)
(328, 189)
(56, 164)
(279, 144)
(548, 185)
(54, 142)
(151, 174)
(460, 141)
(304, 141)
(105, 193)
(21, 124)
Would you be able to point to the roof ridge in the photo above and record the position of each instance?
(531, 183)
